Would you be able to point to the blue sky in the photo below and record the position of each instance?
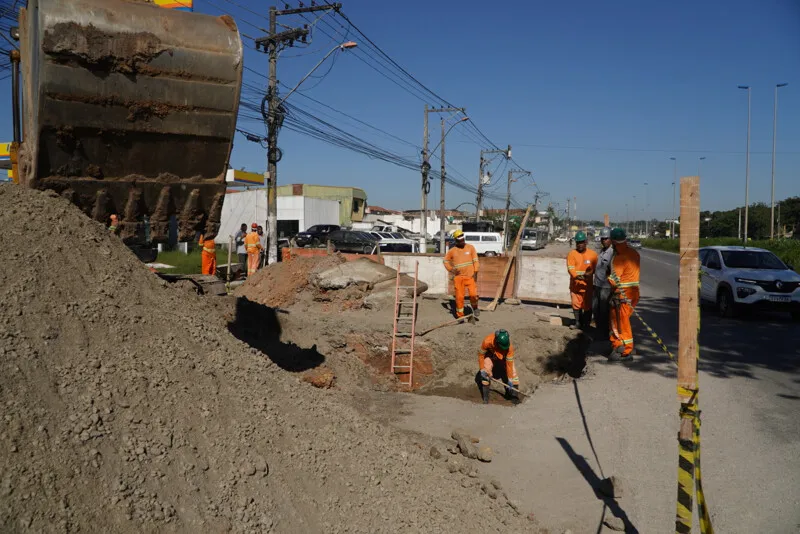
(594, 97)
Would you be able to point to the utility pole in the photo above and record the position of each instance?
(566, 227)
(272, 44)
(481, 169)
(575, 212)
(508, 200)
(443, 172)
(740, 223)
(747, 164)
(426, 167)
(774, 136)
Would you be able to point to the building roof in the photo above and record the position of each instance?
(378, 210)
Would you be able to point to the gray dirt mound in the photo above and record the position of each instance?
(128, 406)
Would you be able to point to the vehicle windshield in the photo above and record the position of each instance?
(529, 234)
(751, 259)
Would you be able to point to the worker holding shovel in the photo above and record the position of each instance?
(496, 361)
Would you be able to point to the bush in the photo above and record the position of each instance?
(788, 250)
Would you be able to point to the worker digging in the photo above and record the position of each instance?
(461, 261)
(581, 263)
(624, 279)
(496, 362)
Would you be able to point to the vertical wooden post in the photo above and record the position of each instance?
(230, 252)
(689, 310)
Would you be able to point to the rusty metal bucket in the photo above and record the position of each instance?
(130, 109)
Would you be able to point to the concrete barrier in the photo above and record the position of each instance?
(540, 279)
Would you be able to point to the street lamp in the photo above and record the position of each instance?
(443, 174)
(747, 163)
(674, 181)
(644, 212)
(344, 46)
(774, 135)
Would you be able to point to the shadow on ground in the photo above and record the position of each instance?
(728, 347)
(258, 326)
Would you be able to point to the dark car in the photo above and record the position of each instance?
(448, 244)
(635, 243)
(315, 236)
(351, 241)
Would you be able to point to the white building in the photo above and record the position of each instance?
(295, 213)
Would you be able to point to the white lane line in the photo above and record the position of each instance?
(648, 258)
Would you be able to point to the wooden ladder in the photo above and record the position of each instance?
(405, 326)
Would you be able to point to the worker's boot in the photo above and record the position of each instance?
(577, 315)
(485, 388)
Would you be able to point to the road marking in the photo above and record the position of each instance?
(660, 261)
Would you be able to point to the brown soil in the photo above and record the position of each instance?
(129, 406)
(356, 342)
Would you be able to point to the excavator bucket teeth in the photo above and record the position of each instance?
(130, 109)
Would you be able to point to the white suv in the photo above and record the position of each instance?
(742, 277)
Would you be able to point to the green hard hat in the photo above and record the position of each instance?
(618, 234)
(580, 235)
(502, 339)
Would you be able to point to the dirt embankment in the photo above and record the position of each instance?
(128, 406)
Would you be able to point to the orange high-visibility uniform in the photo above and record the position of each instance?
(252, 245)
(581, 265)
(624, 281)
(208, 256)
(463, 264)
(490, 354)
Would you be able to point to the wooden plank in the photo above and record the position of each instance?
(688, 306)
(492, 305)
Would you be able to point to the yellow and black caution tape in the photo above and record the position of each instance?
(688, 450)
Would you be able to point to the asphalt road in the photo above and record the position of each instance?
(552, 450)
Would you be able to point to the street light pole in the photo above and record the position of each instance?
(747, 163)
(646, 220)
(774, 136)
(699, 164)
(674, 181)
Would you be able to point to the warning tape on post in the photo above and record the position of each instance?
(688, 449)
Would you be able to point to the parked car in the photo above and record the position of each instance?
(448, 242)
(736, 278)
(394, 242)
(315, 236)
(531, 239)
(561, 239)
(353, 241)
(635, 243)
(486, 243)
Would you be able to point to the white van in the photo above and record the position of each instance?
(486, 243)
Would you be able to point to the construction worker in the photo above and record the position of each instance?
(581, 264)
(496, 360)
(241, 251)
(262, 238)
(114, 222)
(624, 279)
(462, 262)
(601, 292)
(253, 246)
(208, 256)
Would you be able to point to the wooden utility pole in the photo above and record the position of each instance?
(272, 44)
(688, 309)
(443, 173)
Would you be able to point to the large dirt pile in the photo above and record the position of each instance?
(129, 407)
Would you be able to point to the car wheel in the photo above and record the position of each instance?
(725, 303)
(315, 243)
(368, 249)
(489, 254)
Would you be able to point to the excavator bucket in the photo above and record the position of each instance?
(130, 109)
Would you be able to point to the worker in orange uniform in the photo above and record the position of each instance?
(462, 262)
(208, 256)
(581, 264)
(496, 360)
(114, 223)
(624, 279)
(252, 244)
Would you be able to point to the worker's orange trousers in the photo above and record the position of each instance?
(252, 262)
(582, 300)
(621, 334)
(462, 284)
(208, 263)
